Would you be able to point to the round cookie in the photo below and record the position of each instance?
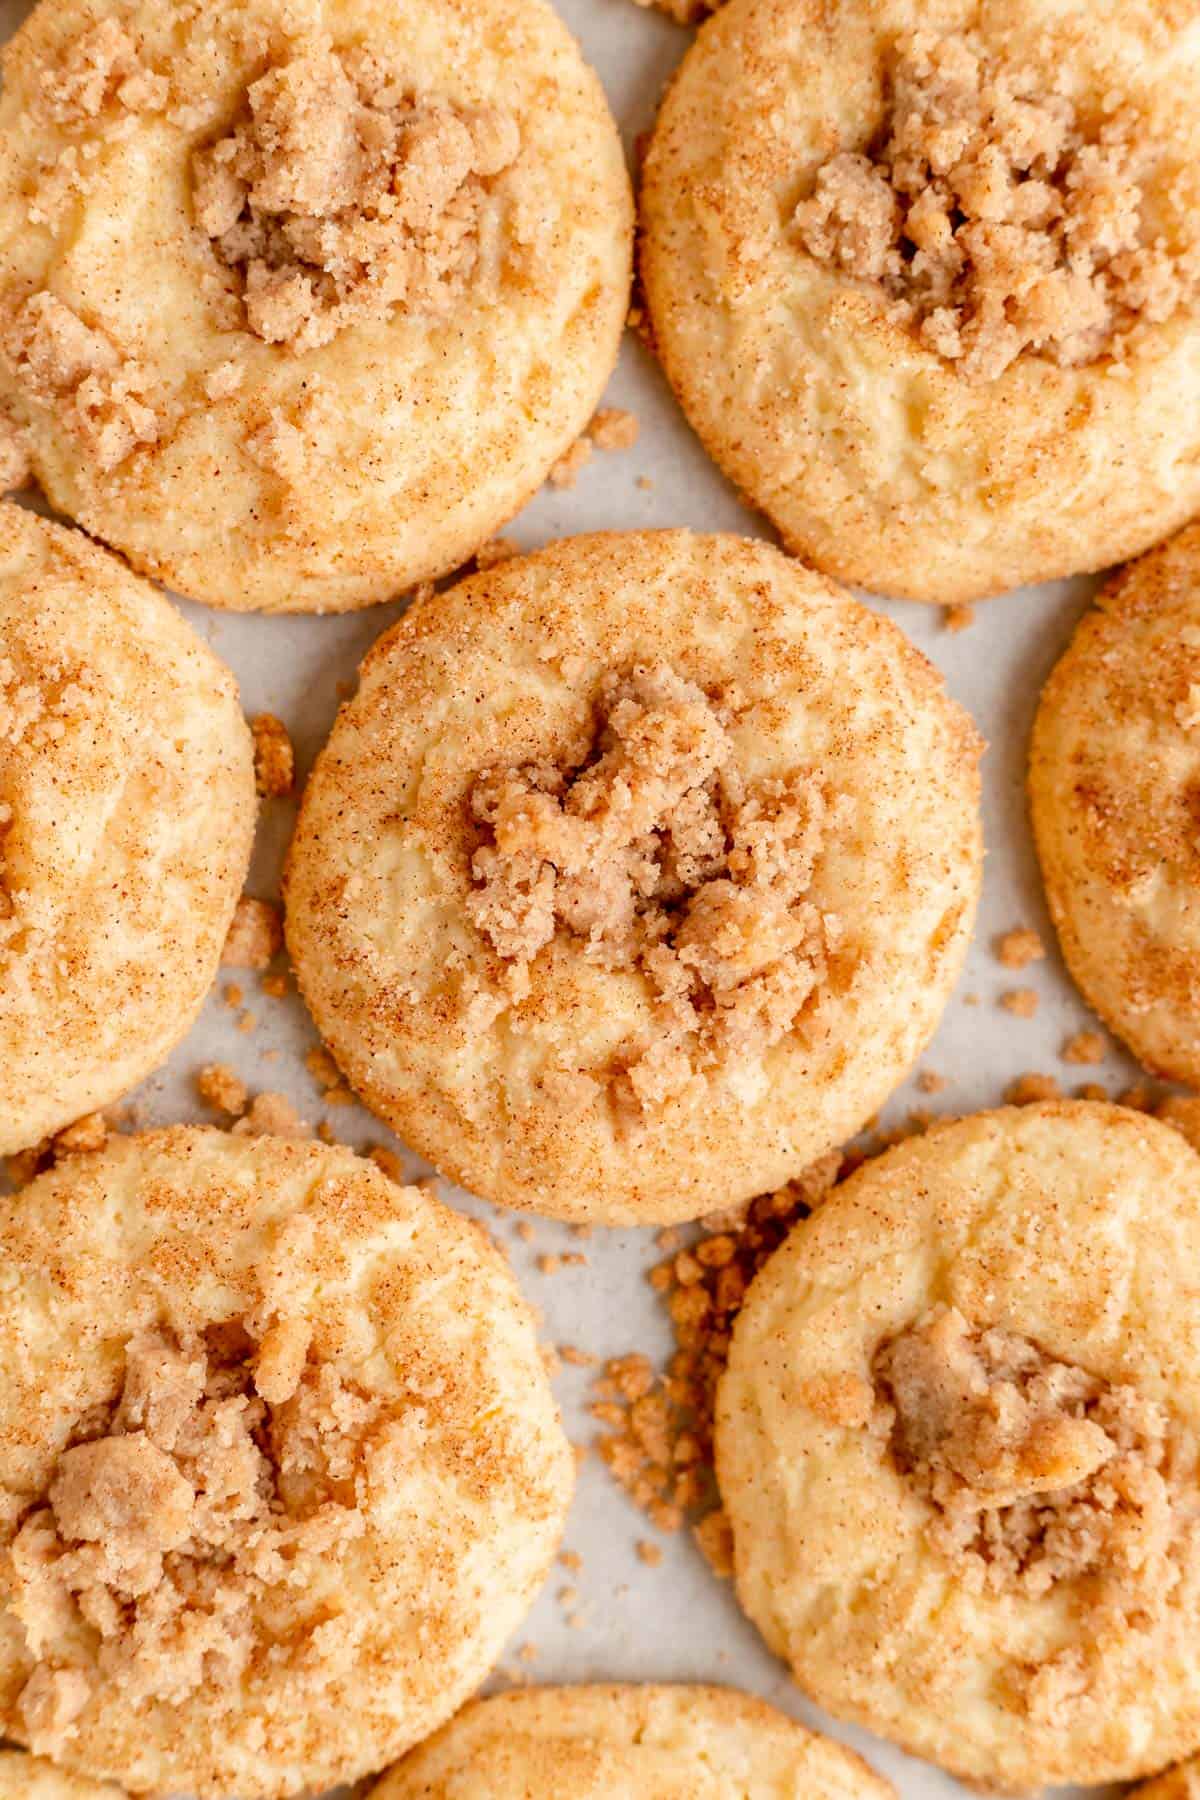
(925, 277)
(25, 1777)
(1114, 785)
(629, 1743)
(636, 874)
(126, 816)
(280, 1468)
(958, 1440)
(302, 303)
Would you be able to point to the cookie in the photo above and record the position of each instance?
(1114, 786)
(635, 1743)
(300, 304)
(1182, 1783)
(636, 874)
(280, 1469)
(24, 1777)
(926, 280)
(126, 816)
(958, 1439)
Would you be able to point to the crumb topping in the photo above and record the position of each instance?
(225, 1466)
(1001, 219)
(340, 194)
(1036, 1472)
(654, 853)
(102, 396)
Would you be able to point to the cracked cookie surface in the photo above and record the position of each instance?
(299, 304)
(926, 280)
(1114, 784)
(126, 815)
(280, 1468)
(958, 1441)
(636, 874)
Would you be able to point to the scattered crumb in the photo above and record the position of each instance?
(650, 1554)
(272, 1115)
(275, 987)
(566, 470)
(1138, 1098)
(388, 1161)
(578, 1359)
(255, 937)
(928, 1082)
(1026, 1090)
(247, 1023)
(646, 483)
(549, 1265)
(497, 550)
(1023, 1002)
(525, 1231)
(233, 995)
(658, 1423)
(528, 1653)
(957, 618)
(613, 429)
(83, 1138)
(1085, 1048)
(1091, 1090)
(274, 757)
(714, 1535)
(571, 1559)
(219, 1087)
(1018, 948)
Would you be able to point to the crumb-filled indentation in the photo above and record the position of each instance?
(654, 852)
(229, 1465)
(1001, 218)
(339, 194)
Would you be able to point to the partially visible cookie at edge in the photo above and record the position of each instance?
(636, 874)
(629, 1743)
(349, 281)
(1114, 784)
(126, 816)
(25, 1777)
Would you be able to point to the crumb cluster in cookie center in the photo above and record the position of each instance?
(999, 217)
(226, 1466)
(654, 851)
(340, 193)
(1037, 1471)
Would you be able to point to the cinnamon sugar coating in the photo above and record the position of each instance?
(926, 280)
(958, 1443)
(1114, 782)
(351, 283)
(635, 874)
(628, 1743)
(270, 1517)
(126, 814)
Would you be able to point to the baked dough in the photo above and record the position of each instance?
(1114, 785)
(126, 816)
(856, 388)
(957, 1441)
(629, 1743)
(301, 301)
(280, 1468)
(636, 874)
(25, 1777)
(1182, 1783)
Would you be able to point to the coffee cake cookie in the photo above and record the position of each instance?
(629, 1743)
(126, 815)
(25, 1777)
(925, 276)
(299, 303)
(1114, 784)
(958, 1442)
(280, 1468)
(636, 874)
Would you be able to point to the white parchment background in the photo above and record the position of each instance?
(676, 1621)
